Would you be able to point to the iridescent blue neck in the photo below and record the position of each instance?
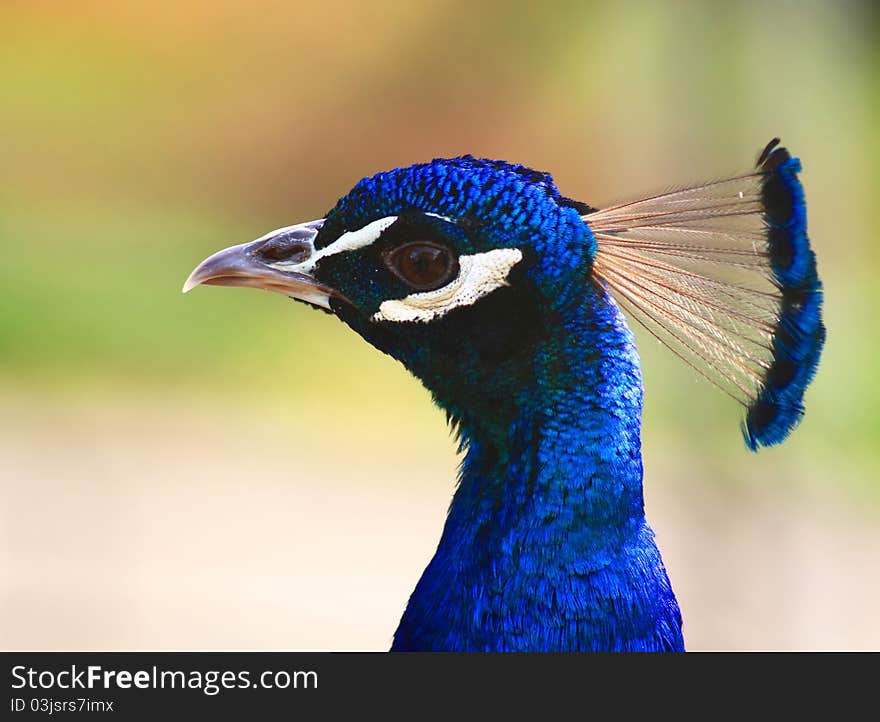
(546, 545)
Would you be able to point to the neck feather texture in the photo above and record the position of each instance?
(546, 546)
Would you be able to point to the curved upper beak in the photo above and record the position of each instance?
(280, 261)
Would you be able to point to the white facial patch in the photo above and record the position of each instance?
(478, 275)
(350, 241)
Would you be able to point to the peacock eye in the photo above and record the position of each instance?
(424, 266)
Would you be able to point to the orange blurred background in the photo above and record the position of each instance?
(227, 470)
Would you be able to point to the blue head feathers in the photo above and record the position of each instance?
(483, 204)
(503, 297)
(800, 334)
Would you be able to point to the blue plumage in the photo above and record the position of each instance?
(546, 546)
(798, 341)
(504, 298)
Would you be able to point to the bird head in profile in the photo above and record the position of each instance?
(468, 270)
(502, 296)
(453, 267)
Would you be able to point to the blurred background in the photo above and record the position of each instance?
(212, 471)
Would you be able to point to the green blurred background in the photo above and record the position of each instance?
(231, 470)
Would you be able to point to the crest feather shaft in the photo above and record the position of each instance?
(722, 273)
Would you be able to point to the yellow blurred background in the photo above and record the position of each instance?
(228, 470)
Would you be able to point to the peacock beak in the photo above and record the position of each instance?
(278, 261)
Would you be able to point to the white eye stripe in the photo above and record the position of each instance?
(352, 240)
(478, 275)
(349, 241)
(442, 218)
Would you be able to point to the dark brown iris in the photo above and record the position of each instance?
(424, 266)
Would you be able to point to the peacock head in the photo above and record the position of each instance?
(473, 272)
(454, 267)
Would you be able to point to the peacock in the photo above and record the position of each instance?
(507, 299)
